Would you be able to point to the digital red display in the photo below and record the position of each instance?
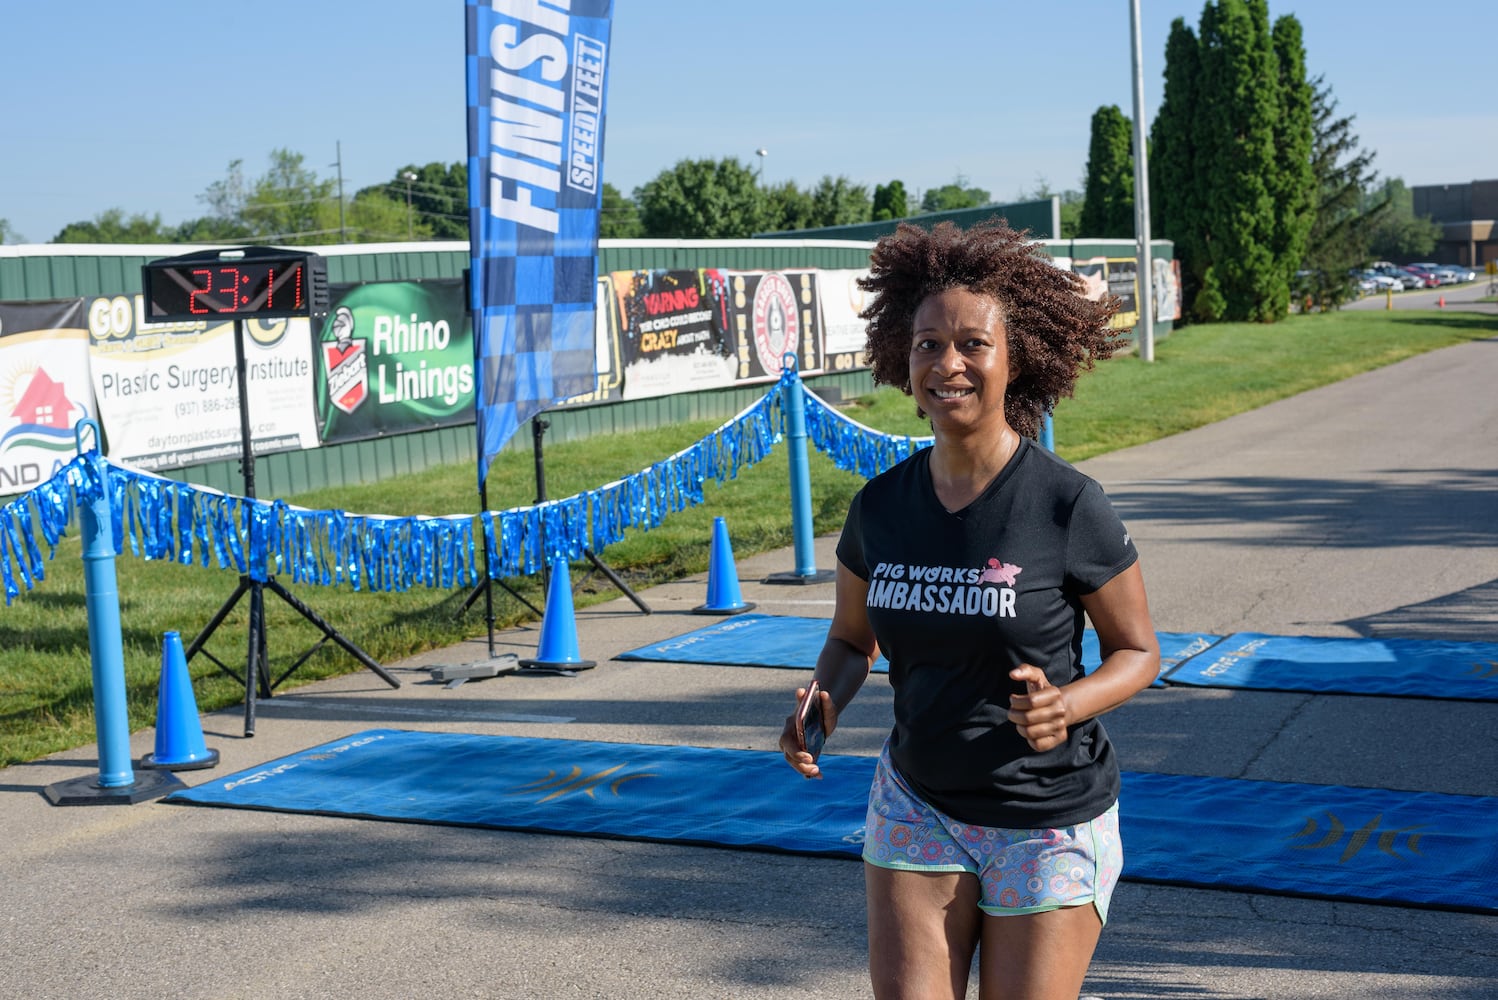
(234, 284)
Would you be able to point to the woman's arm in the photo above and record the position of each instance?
(1119, 611)
(842, 666)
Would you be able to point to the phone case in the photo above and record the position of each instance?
(810, 734)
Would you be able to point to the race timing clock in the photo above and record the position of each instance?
(243, 283)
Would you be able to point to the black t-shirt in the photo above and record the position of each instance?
(957, 600)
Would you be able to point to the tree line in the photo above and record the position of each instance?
(695, 199)
(1263, 188)
(1261, 185)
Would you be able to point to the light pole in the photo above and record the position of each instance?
(1144, 284)
(408, 177)
(761, 153)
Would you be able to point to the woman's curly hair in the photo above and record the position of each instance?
(1054, 333)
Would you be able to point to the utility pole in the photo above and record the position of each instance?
(342, 232)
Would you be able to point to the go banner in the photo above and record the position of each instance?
(44, 389)
(168, 393)
(393, 357)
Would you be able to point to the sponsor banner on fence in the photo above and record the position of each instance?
(1166, 279)
(44, 389)
(168, 393)
(1123, 274)
(844, 334)
(774, 313)
(610, 379)
(672, 331)
(1094, 274)
(393, 357)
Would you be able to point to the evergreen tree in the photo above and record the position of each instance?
(1293, 184)
(1175, 198)
(1108, 205)
(1235, 136)
(1342, 229)
(1231, 176)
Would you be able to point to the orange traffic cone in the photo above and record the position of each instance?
(1441, 302)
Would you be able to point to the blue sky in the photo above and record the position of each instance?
(141, 106)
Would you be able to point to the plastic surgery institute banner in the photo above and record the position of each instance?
(537, 74)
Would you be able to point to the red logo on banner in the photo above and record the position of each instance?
(348, 373)
(777, 322)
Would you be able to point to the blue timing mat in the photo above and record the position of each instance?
(1410, 668)
(747, 640)
(752, 640)
(1321, 841)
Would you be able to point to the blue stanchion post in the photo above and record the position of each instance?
(1047, 434)
(801, 520)
(116, 781)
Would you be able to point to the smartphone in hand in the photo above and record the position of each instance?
(810, 733)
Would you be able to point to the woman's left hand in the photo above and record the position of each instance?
(1040, 713)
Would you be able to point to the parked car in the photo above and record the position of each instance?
(1458, 273)
(1382, 282)
(1405, 278)
(1424, 278)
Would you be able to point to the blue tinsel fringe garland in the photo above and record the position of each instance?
(163, 519)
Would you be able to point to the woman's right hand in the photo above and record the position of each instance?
(791, 748)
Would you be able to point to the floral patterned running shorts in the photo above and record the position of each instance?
(1020, 871)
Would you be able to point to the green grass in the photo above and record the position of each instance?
(1200, 375)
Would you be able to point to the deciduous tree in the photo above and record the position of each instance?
(953, 196)
(837, 201)
(703, 200)
(890, 201)
(618, 218)
(114, 226)
(1400, 234)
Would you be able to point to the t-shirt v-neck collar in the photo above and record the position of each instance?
(994, 485)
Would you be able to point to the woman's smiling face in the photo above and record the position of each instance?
(959, 359)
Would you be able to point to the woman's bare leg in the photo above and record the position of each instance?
(923, 930)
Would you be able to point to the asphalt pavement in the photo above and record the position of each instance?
(1365, 508)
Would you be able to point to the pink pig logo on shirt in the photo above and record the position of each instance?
(999, 572)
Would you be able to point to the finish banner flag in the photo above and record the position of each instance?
(537, 74)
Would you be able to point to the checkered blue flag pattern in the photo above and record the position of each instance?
(537, 74)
